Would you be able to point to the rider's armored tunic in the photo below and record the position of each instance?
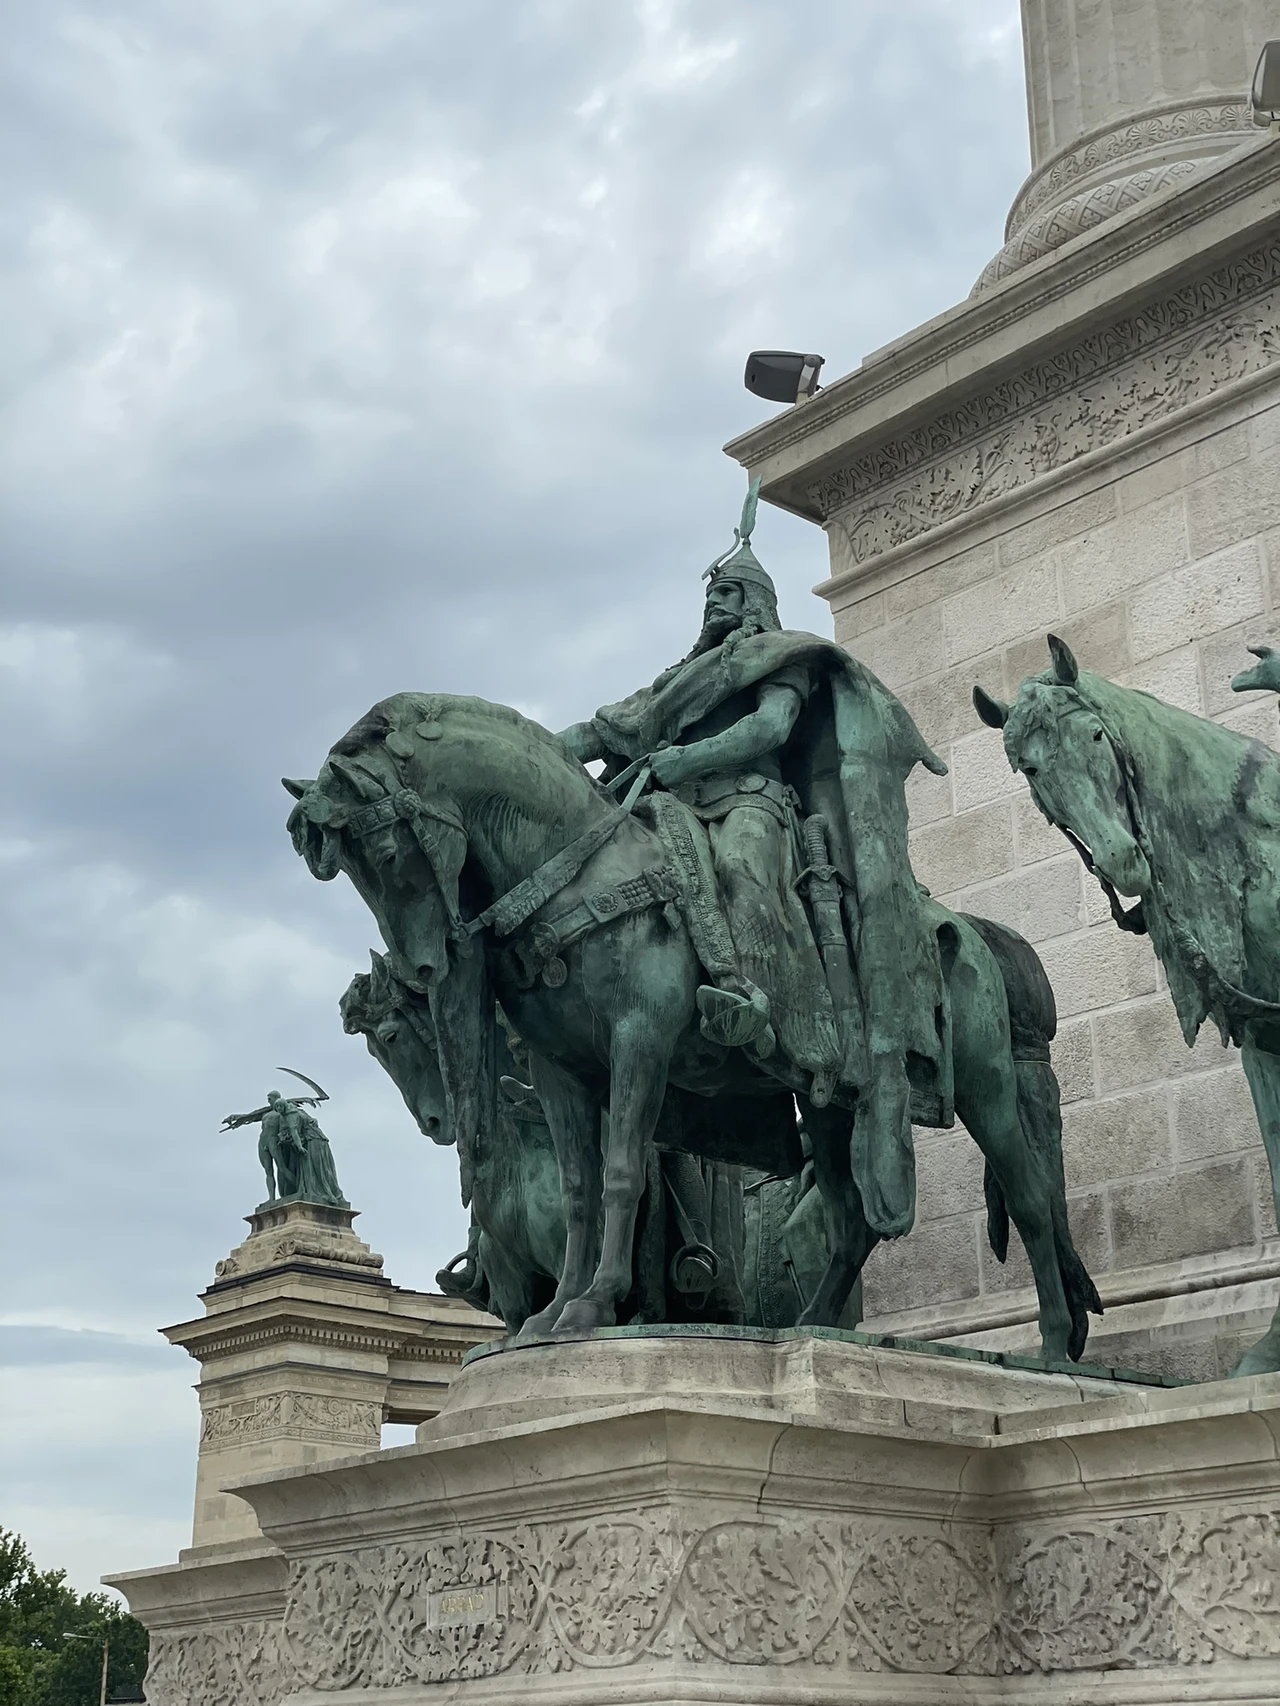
(752, 821)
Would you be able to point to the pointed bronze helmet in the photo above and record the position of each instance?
(741, 565)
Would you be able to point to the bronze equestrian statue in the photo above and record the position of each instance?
(698, 959)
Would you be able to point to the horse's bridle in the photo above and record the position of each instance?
(1236, 1004)
(518, 905)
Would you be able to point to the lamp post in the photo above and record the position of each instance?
(106, 1654)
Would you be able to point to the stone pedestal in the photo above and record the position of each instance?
(768, 1517)
(1089, 445)
(306, 1348)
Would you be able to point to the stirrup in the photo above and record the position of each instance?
(736, 1021)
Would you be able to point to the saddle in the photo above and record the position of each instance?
(672, 869)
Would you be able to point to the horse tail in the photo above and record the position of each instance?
(1033, 1022)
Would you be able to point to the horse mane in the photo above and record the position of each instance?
(406, 710)
(1204, 797)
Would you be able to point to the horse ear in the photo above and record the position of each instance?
(356, 779)
(1064, 663)
(994, 712)
(296, 788)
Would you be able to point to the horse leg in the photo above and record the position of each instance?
(1262, 1069)
(849, 1238)
(573, 1116)
(986, 1089)
(638, 1059)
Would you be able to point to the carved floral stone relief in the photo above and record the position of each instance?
(1168, 1590)
(1183, 1589)
(1132, 373)
(226, 1664)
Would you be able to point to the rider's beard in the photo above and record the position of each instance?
(715, 631)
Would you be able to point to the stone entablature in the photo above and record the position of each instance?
(1138, 371)
(924, 405)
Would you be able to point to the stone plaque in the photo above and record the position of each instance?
(467, 1602)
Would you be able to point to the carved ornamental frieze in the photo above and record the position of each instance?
(1131, 374)
(306, 1415)
(225, 1664)
(837, 1597)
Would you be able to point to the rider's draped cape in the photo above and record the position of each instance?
(848, 758)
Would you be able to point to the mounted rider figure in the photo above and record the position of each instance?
(784, 758)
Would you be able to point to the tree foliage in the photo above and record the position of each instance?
(38, 1665)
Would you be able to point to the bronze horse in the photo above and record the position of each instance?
(1182, 817)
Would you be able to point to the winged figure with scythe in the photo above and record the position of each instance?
(294, 1152)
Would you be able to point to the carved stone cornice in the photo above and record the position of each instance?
(397, 1339)
(1236, 206)
(1139, 370)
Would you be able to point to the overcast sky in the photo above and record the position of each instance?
(355, 346)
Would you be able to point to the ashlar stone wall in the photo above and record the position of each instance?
(1157, 575)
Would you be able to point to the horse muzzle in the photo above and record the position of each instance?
(1124, 865)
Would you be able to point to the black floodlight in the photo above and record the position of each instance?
(782, 375)
(1265, 95)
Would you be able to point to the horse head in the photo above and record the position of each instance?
(402, 848)
(381, 810)
(400, 1034)
(1075, 767)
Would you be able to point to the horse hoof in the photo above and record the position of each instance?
(582, 1317)
(539, 1326)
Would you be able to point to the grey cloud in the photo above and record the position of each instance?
(369, 346)
(27, 1346)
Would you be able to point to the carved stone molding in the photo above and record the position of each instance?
(226, 1664)
(846, 1597)
(1131, 374)
(1064, 220)
(1121, 145)
(305, 1415)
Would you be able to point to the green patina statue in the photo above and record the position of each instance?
(1181, 816)
(705, 1250)
(695, 960)
(294, 1152)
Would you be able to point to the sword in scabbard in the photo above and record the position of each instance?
(822, 882)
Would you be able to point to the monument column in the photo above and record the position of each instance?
(1125, 99)
(306, 1348)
